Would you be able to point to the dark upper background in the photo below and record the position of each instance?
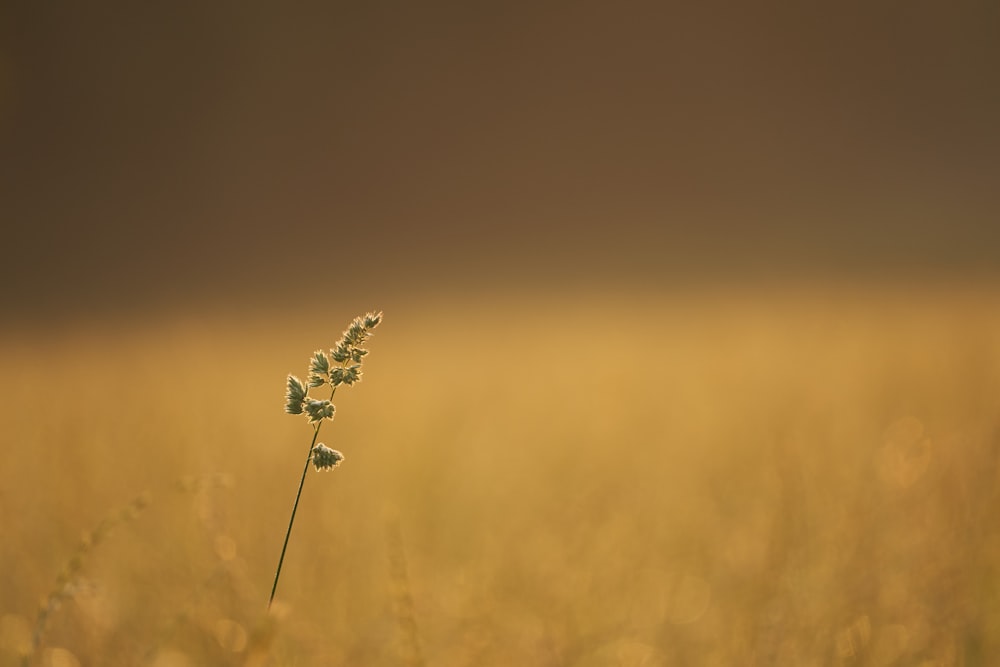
(161, 153)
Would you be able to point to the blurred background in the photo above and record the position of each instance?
(690, 352)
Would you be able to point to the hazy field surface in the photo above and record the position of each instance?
(756, 480)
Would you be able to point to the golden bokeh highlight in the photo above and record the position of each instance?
(231, 635)
(59, 657)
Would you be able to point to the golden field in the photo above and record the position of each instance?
(716, 479)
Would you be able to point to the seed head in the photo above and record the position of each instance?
(325, 458)
(341, 366)
(319, 410)
(352, 374)
(356, 333)
(319, 369)
(295, 396)
(342, 352)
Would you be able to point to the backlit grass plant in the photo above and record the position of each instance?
(69, 581)
(341, 366)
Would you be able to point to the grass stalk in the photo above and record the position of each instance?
(295, 506)
(342, 366)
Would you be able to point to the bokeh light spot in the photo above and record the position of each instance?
(230, 635)
(689, 599)
(59, 657)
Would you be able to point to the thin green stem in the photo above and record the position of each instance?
(295, 507)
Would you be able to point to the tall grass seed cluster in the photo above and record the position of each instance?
(342, 366)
